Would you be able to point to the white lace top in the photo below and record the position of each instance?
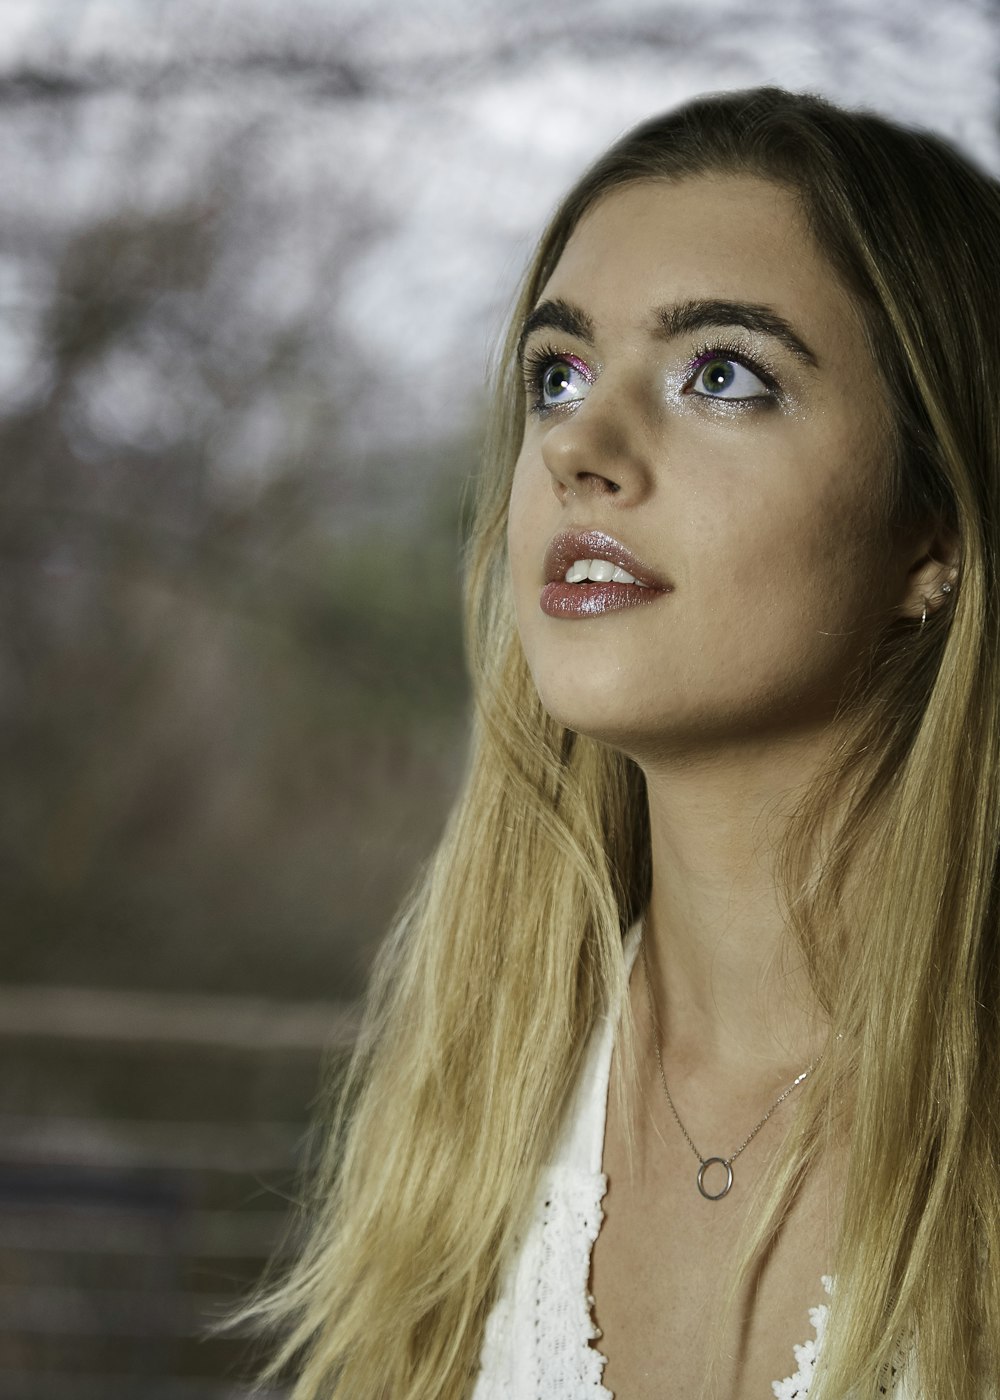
(538, 1334)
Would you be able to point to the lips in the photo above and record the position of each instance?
(592, 598)
(595, 544)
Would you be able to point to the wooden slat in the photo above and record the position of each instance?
(147, 1018)
(127, 1233)
(86, 1142)
(71, 1385)
(135, 1360)
(231, 1234)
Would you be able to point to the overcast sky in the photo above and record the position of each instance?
(389, 165)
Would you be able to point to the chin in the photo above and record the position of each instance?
(568, 706)
(601, 713)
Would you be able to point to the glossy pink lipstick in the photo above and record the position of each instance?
(594, 598)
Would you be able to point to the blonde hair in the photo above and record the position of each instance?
(486, 990)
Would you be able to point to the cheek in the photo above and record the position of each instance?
(792, 579)
(841, 543)
(815, 524)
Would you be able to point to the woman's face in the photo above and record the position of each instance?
(700, 400)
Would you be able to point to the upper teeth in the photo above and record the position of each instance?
(599, 571)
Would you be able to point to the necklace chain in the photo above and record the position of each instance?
(704, 1162)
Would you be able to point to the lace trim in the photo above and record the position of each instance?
(571, 1220)
(538, 1332)
(807, 1353)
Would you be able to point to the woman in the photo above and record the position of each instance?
(697, 1005)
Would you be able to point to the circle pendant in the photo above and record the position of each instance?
(711, 1162)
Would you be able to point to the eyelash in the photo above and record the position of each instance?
(539, 359)
(536, 362)
(731, 350)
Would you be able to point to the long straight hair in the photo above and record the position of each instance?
(487, 988)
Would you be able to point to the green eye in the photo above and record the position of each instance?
(717, 376)
(557, 379)
(726, 377)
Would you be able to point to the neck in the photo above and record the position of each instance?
(728, 985)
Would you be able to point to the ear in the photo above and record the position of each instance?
(932, 579)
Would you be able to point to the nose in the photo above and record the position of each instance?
(596, 450)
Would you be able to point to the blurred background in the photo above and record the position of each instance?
(254, 258)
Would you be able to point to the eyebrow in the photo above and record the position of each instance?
(556, 315)
(688, 316)
(671, 321)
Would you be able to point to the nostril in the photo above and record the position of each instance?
(595, 480)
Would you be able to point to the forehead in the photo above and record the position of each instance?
(715, 236)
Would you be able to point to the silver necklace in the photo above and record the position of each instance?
(705, 1162)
